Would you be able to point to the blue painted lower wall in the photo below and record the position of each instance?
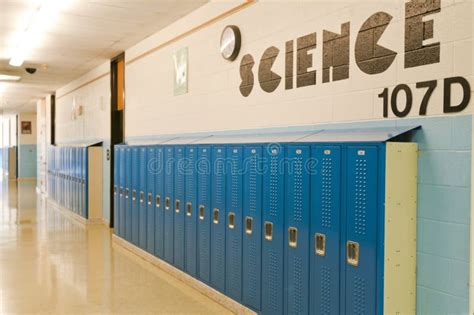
(27, 161)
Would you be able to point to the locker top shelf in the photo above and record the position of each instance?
(149, 142)
(79, 145)
(255, 138)
(379, 134)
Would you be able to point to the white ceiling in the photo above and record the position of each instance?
(87, 34)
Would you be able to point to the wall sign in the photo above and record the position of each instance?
(370, 57)
(26, 128)
(180, 59)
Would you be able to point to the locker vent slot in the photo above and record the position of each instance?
(359, 296)
(360, 196)
(189, 208)
(298, 189)
(326, 194)
(253, 183)
(134, 195)
(320, 244)
(231, 220)
(177, 204)
(215, 216)
(167, 203)
(325, 287)
(268, 231)
(352, 253)
(248, 225)
(142, 196)
(293, 237)
(201, 212)
(273, 189)
(158, 201)
(150, 198)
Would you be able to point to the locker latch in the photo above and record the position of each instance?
(201, 212)
(189, 208)
(127, 191)
(293, 237)
(215, 216)
(158, 201)
(115, 190)
(248, 225)
(167, 203)
(231, 220)
(150, 199)
(320, 244)
(134, 195)
(268, 231)
(352, 253)
(121, 191)
(177, 204)
(141, 196)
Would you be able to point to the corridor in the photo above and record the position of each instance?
(53, 265)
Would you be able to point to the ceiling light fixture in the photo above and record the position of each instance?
(39, 22)
(7, 77)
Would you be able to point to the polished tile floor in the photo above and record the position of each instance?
(49, 264)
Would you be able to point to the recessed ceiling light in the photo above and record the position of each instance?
(6, 77)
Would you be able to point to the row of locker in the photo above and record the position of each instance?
(67, 178)
(295, 228)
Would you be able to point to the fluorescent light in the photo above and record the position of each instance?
(6, 77)
(40, 21)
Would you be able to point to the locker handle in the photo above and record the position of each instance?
(115, 190)
(142, 196)
(231, 220)
(293, 237)
(189, 209)
(150, 199)
(352, 253)
(268, 231)
(167, 203)
(248, 225)
(177, 203)
(121, 191)
(215, 216)
(201, 212)
(127, 191)
(134, 195)
(158, 201)
(320, 244)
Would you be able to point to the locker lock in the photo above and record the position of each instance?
(142, 196)
(215, 216)
(177, 204)
(189, 208)
(150, 199)
(293, 237)
(127, 191)
(320, 244)
(248, 225)
(158, 201)
(121, 191)
(167, 203)
(231, 220)
(201, 212)
(115, 190)
(352, 252)
(134, 195)
(268, 231)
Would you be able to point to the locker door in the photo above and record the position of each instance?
(128, 194)
(66, 178)
(179, 207)
(116, 189)
(169, 207)
(142, 205)
(204, 213)
(159, 203)
(122, 192)
(361, 230)
(150, 199)
(252, 226)
(297, 224)
(273, 231)
(76, 180)
(325, 230)
(81, 181)
(218, 218)
(135, 197)
(85, 174)
(233, 217)
(190, 211)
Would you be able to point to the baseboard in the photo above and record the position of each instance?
(67, 212)
(206, 290)
(26, 179)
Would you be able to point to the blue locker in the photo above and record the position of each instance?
(273, 230)
(360, 259)
(75, 181)
(66, 177)
(218, 218)
(179, 195)
(159, 203)
(63, 177)
(122, 200)
(234, 190)
(252, 225)
(150, 199)
(325, 230)
(297, 219)
(169, 197)
(116, 189)
(135, 197)
(128, 194)
(142, 206)
(204, 213)
(190, 223)
(85, 168)
(81, 180)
